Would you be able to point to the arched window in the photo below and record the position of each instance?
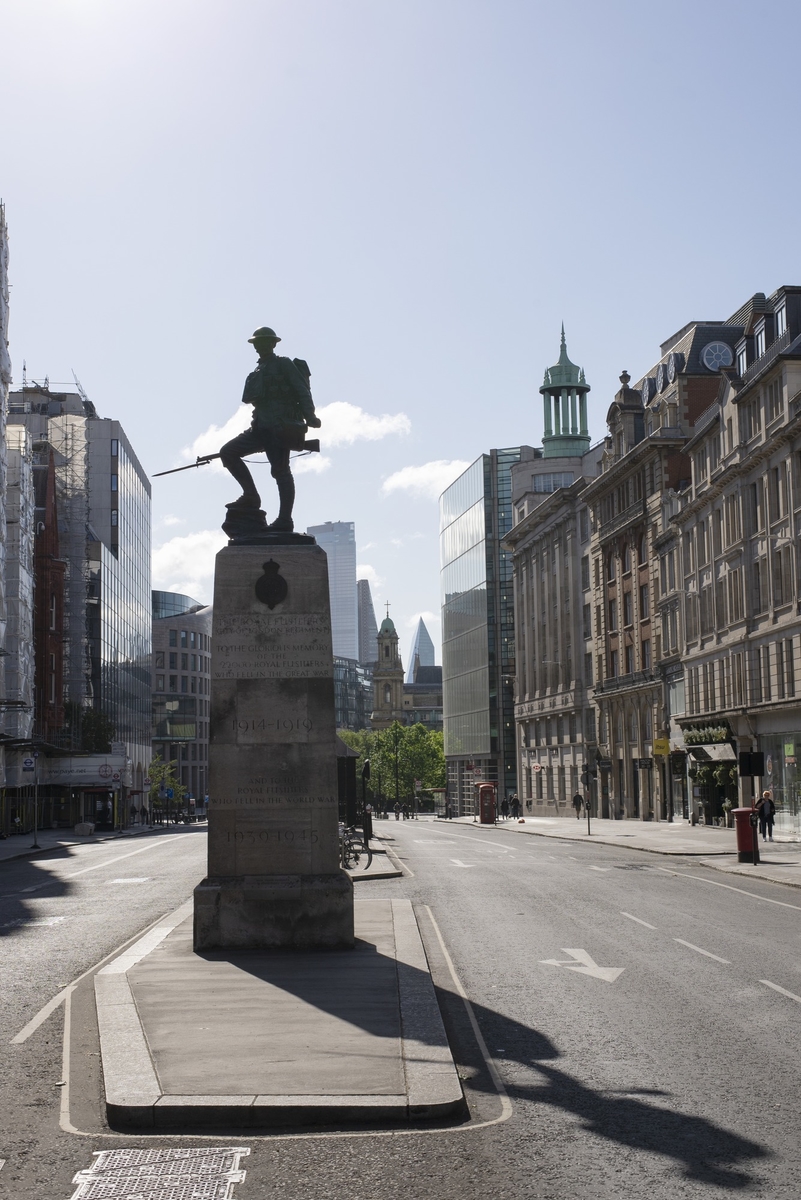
(386, 652)
(643, 551)
(387, 694)
(626, 558)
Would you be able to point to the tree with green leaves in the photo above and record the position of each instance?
(416, 752)
(164, 774)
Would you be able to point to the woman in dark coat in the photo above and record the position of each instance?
(767, 810)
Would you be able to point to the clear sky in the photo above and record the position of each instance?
(413, 195)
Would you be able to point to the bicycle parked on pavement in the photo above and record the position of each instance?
(355, 853)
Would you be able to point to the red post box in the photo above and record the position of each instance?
(745, 822)
(486, 804)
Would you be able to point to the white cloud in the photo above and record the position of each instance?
(428, 617)
(186, 564)
(311, 464)
(216, 436)
(428, 480)
(171, 519)
(365, 571)
(344, 424)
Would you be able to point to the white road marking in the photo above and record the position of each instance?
(601, 868)
(506, 1104)
(698, 950)
(166, 841)
(784, 992)
(730, 888)
(23, 922)
(67, 991)
(135, 953)
(458, 863)
(581, 962)
(131, 879)
(638, 920)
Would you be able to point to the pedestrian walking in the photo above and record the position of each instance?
(505, 808)
(767, 810)
(515, 806)
(578, 802)
(397, 811)
(405, 811)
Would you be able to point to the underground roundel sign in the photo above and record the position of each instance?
(104, 771)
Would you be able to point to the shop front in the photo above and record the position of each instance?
(782, 780)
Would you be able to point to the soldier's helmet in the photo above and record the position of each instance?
(264, 332)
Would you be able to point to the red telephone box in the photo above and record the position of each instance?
(486, 803)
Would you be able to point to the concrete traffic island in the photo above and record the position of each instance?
(238, 1039)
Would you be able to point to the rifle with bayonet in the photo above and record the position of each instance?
(310, 446)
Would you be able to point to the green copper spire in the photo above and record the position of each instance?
(564, 392)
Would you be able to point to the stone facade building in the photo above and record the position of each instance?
(549, 544)
(738, 525)
(387, 679)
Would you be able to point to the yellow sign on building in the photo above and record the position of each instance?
(661, 746)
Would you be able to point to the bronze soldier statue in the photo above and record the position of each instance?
(283, 409)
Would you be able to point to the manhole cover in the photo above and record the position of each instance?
(201, 1174)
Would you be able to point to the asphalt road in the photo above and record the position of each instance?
(625, 999)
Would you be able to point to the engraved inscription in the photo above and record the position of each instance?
(272, 646)
(267, 725)
(276, 835)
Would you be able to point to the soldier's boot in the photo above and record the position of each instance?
(250, 498)
(286, 500)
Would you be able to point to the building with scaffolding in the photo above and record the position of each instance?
(5, 383)
(102, 498)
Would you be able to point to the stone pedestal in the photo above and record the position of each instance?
(274, 875)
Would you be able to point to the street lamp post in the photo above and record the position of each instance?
(395, 739)
(35, 798)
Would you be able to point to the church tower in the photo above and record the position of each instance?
(387, 679)
(564, 393)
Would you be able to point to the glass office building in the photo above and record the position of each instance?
(182, 629)
(338, 539)
(478, 629)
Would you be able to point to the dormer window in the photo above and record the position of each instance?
(742, 361)
(781, 320)
(759, 344)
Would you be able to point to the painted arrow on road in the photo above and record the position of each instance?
(458, 863)
(582, 964)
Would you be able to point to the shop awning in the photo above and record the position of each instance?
(714, 752)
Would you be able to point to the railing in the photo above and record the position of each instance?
(632, 513)
(773, 351)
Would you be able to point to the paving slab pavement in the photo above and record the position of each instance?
(258, 1039)
(710, 846)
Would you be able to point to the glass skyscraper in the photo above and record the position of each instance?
(338, 539)
(103, 505)
(478, 629)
